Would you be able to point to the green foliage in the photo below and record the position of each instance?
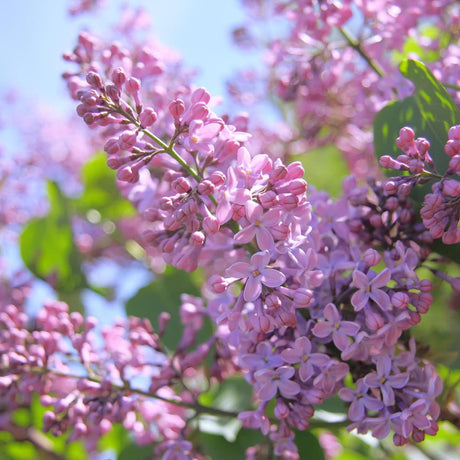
(164, 295)
(100, 191)
(133, 451)
(233, 395)
(309, 446)
(47, 246)
(325, 168)
(430, 112)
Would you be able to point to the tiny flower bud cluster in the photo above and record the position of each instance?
(441, 210)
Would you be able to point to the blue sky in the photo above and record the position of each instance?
(35, 33)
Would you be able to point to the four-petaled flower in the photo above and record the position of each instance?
(360, 401)
(301, 353)
(383, 380)
(334, 325)
(369, 288)
(257, 274)
(269, 381)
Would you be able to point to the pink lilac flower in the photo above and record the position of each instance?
(301, 353)
(369, 288)
(269, 382)
(334, 325)
(259, 224)
(385, 380)
(257, 274)
(360, 401)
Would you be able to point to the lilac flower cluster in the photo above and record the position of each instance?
(295, 284)
(88, 386)
(333, 64)
(441, 210)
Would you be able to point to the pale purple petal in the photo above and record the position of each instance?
(359, 300)
(341, 340)
(372, 403)
(322, 329)
(272, 278)
(381, 298)
(388, 394)
(285, 372)
(252, 289)
(319, 360)
(399, 380)
(331, 313)
(360, 280)
(347, 394)
(260, 260)
(290, 355)
(382, 278)
(254, 211)
(356, 411)
(264, 238)
(305, 371)
(372, 379)
(289, 388)
(245, 235)
(384, 366)
(268, 390)
(349, 327)
(239, 270)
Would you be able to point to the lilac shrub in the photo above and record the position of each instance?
(310, 296)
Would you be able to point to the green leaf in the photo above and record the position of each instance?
(217, 447)
(325, 168)
(163, 295)
(100, 192)
(47, 246)
(309, 446)
(430, 112)
(133, 451)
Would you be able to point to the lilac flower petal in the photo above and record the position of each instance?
(382, 278)
(341, 340)
(289, 388)
(388, 394)
(268, 390)
(319, 360)
(290, 355)
(272, 278)
(252, 289)
(350, 328)
(372, 379)
(331, 313)
(381, 298)
(359, 300)
(245, 235)
(384, 366)
(356, 411)
(399, 380)
(306, 371)
(285, 372)
(372, 403)
(322, 329)
(239, 270)
(264, 238)
(360, 280)
(254, 211)
(260, 259)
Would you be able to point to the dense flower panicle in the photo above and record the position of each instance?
(309, 296)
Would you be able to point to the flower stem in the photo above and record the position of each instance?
(357, 47)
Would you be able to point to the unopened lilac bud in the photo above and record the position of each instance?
(392, 203)
(374, 320)
(113, 93)
(217, 284)
(119, 77)
(273, 301)
(163, 320)
(268, 199)
(211, 225)
(390, 187)
(127, 174)
(237, 212)
(295, 170)
(111, 147)
(181, 185)
(281, 410)
(105, 426)
(400, 300)
(127, 140)
(200, 95)
(452, 147)
(114, 162)
(133, 85)
(372, 257)
(198, 111)
(288, 201)
(426, 285)
(94, 79)
(279, 173)
(375, 220)
(302, 297)
(148, 117)
(217, 178)
(197, 239)
(176, 109)
(418, 435)
(297, 186)
(206, 187)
